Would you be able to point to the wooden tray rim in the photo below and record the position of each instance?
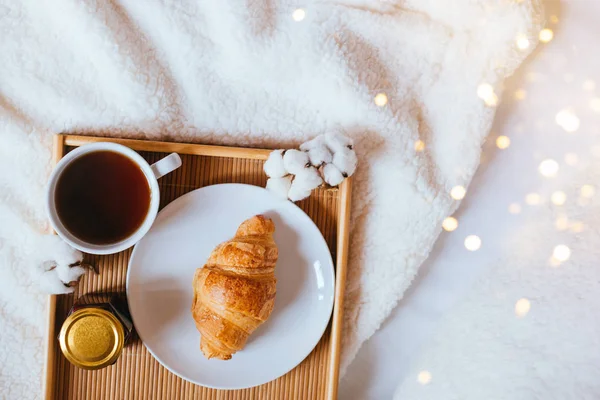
(342, 241)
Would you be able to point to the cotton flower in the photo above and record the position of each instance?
(304, 182)
(50, 283)
(280, 186)
(59, 266)
(332, 175)
(337, 142)
(317, 150)
(295, 161)
(274, 165)
(329, 157)
(345, 160)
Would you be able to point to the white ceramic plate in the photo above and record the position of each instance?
(159, 285)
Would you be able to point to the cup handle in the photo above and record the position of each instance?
(166, 165)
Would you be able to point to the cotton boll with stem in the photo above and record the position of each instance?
(274, 167)
(304, 182)
(345, 160)
(319, 156)
(280, 186)
(298, 193)
(332, 175)
(294, 161)
(317, 150)
(50, 283)
(69, 274)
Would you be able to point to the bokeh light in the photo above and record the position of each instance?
(299, 14)
(595, 104)
(424, 377)
(485, 91)
(561, 252)
(419, 145)
(522, 307)
(458, 192)
(450, 224)
(567, 120)
(576, 227)
(381, 99)
(472, 243)
(522, 42)
(587, 191)
(520, 94)
(558, 198)
(562, 222)
(548, 168)
(546, 35)
(502, 142)
(533, 199)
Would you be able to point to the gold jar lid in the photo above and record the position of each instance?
(91, 338)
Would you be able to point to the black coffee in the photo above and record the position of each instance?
(102, 197)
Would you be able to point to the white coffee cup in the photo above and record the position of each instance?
(151, 172)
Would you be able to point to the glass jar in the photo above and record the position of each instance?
(96, 329)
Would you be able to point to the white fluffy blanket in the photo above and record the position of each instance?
(247, 73)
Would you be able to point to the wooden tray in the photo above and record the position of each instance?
(137, 375)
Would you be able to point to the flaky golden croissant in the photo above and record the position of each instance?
(234, 292)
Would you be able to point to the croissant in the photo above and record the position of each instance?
(234, 292)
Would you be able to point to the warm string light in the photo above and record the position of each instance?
(567, 120)
(522, 307)
(472, 243)
(450, 224)
(587, 191)
(381, 99)
(533, 199)
(546, 35)
(576, 227)
(558, 198)
(458, 192)
(548, 168)
(424, 377)
(419, 146)
(561, 252)
(562, 222)
(502, 142)
(595, 104)
(485, 91)
(299, 14)
(522, 42)
(520, 94)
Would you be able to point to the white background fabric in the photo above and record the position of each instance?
(457, 320)
(245, 73)
(480, 349)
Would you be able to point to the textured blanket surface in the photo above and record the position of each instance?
(253, 73)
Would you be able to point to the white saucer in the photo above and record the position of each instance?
(159, 285)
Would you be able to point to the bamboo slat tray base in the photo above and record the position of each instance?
(137, 375)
